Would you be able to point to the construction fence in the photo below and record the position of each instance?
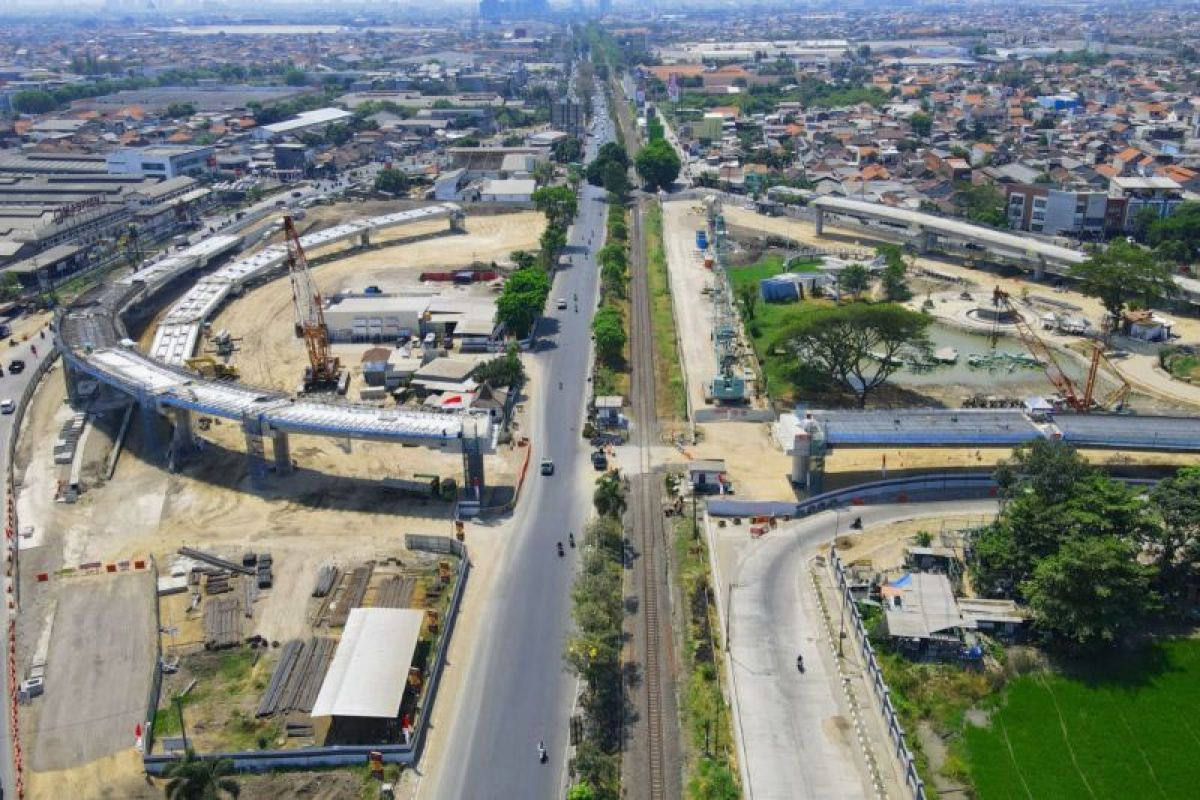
(883, 696)
(12, 567)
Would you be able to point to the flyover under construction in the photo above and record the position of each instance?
(104, 369)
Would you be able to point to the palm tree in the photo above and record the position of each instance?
(609, 498)
(195, 778)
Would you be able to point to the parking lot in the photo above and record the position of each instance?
(98, 670)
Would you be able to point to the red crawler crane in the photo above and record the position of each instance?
(324, 369)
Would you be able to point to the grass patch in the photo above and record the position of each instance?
(670, 392)
(768, 267)
(1118, 728)
(708, 738)
(1186, 367)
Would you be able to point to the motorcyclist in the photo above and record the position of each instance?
(857, 523)
(800, 663)
(571, 538)
(541, 751)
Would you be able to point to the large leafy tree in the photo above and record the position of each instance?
(392, 181)
(1182, 226)
(194, 778)
(558, 203)
(658, 164)
(522, 300)
(1091, 592)
(1176, 501)
(609, 332)
(856, 345)
(854, 279)
(1122, 273)
(567, 150)
(610, 153)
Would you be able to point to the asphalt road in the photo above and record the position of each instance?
(11, 387)
(793, 746)
(518, 691)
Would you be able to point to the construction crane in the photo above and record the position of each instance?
(209, 367)
(324, 369)
(1081, 402)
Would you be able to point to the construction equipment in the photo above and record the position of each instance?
(223, 343)
(1081, 402)
(324, 369)
(209, 367)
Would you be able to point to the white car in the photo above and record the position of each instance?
(562, 304)
(7, 406)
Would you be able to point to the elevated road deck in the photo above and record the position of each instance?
(94, 341)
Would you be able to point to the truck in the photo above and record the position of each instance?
(701, 239)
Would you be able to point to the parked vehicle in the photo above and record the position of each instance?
(16, 366)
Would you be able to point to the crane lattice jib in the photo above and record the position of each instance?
(1041, 351)
(310, 316)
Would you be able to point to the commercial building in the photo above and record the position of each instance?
(162, 161)
(1129, 196)
(385, 318)
(315, 121)
(510, 190)
(1043, 209)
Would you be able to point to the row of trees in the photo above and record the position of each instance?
(608, 325)
(527, 289)
(1092, 557)
(593, 650)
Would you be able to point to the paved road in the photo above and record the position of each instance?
(788, 723)
(517, 691)
(11, 387)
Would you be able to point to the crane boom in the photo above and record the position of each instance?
(1042, 352)
(1080, 402)
(324, 369)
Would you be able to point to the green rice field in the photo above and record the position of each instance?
(1129, 730)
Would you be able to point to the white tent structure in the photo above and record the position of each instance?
(370, 666)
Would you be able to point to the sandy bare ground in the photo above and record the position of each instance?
(693, 309)
(270, 355)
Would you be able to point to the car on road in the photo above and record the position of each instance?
(16, 366)
(7, 406)
(547, 466)
(561, 303)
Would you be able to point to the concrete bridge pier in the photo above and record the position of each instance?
(458, 222)
(1039, 270)
(283, 452)
(820, 221)
(151, 441)
(928, 241)
(364, 240)
(183, 443)
(252, 427)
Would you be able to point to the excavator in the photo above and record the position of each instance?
(209, 367)
(1082, 402)
(324, 370)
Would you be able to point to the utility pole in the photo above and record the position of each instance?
(182, 726)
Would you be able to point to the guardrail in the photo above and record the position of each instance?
(354, 755)
(883, 695)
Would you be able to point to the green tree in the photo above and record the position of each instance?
(10, 286)
(581, 791)
(180, 110)
(854, 279)
(658, 164)
(567, 150)
(1091, 592)
(609, 497)
(615, 179)
(610, 153)
(1145, 220)
(983, 204)
(609, 332)
(338, 133)
(1121, 273)
(558, 203)
(1176, 500)
(856, 346)
(295, 77)
(543, 173)
(552, 241)
(713, 781)
(33, 101)
(895, 284)
(523, 259)
(505, 370)
(922, 124)
(392, 181)
(194, 778)
(522, 300)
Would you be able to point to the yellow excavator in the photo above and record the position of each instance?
(209, 367)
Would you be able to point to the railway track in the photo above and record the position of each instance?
(647, 513)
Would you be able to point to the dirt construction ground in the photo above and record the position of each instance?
(270, 354)
(305, 521)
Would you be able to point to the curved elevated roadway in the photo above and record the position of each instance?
(92, 337)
